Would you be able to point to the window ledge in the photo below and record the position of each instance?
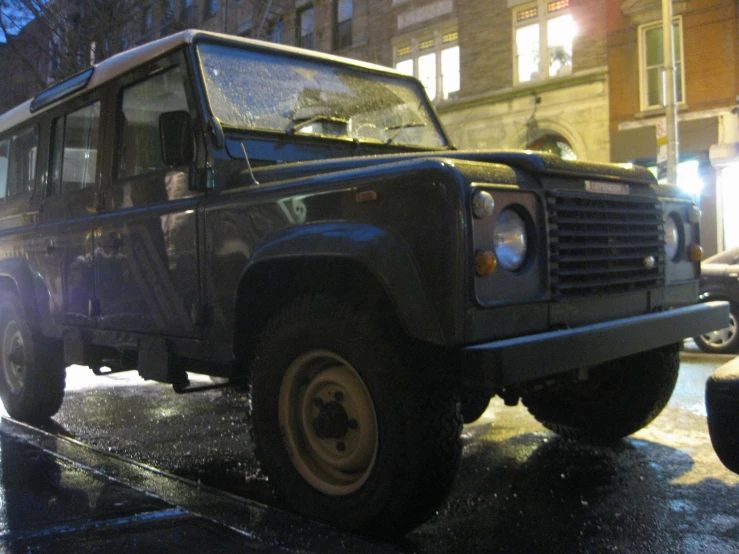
(657, 112)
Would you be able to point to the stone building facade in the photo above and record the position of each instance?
(467, 52)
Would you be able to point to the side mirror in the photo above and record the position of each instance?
(175, 138)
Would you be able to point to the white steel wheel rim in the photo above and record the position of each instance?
(14, 357)
(721, 337)
(328, 422)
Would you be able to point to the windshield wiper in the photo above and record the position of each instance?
(398, 128)
(294, 127)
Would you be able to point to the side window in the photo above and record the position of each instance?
(4, 147)
(142, 104)
(74, 150)
(19, 154)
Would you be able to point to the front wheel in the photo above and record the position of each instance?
(32, 370)
(347, 430)
(618, 398)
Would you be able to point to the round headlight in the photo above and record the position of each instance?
(672, 237)
(510, 240)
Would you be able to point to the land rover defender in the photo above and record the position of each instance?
(301, 225)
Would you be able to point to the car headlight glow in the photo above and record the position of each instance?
(510, 240)
(672, 237)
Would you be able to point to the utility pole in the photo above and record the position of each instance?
(670, 99)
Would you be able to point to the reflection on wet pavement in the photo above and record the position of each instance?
(520, 488)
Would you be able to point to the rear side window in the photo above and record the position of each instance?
(18, 163)
(141, 106)
(74, 150)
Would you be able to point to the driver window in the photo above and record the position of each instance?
(142, 104)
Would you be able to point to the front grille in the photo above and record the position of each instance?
(599, 243)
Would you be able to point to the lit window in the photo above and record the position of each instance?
(527, 46)
(434, 61)
(543, 23)
(652, 75)
(405, 67)
(427, 72)
(449, 71)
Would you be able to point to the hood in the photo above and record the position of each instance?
(536, 163)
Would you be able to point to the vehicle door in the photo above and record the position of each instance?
(65, 238)
(146, 255)
(18, 209)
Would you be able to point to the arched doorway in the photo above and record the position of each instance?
(554, 143)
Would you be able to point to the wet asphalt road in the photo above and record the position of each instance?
(519, 488)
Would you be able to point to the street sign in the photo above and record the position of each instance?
(661, 131)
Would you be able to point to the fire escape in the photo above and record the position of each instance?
(268, 19)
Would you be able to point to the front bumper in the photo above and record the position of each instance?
(508, 362)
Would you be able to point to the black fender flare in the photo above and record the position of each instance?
(387, 257)
(16, 275)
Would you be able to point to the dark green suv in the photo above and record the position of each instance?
(301, 224)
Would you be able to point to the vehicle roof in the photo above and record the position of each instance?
(125, 61)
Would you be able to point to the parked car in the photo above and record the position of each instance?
(720, 281)
(302, 223)
(722, 407)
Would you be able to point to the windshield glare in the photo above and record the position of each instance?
(270, 91)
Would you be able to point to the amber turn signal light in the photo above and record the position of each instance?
(695, 252)
(485, 263)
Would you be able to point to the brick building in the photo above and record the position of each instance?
(492, 84)
(707, 60)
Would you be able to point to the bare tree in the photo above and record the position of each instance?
(76, 33)
(50, 40)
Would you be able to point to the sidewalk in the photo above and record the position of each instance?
(59, 495)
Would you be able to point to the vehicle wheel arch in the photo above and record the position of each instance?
(710, 295)
(271, 284)
(16, 278)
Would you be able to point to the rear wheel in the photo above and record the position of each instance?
(32, 369)
(618, 398)
(346, 428)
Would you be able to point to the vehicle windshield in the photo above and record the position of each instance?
(271, 91)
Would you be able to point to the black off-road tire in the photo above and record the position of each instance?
(32, 369)
(722, 341)
(473, 406)
(406, 415)
(722, 407)
(619, 398)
